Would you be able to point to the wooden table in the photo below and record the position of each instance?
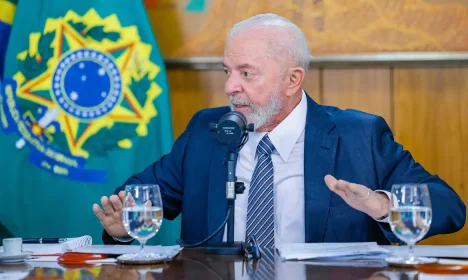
(195, 264)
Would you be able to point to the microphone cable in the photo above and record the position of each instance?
(182, 243)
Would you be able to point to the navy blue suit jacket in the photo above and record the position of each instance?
(347, 144)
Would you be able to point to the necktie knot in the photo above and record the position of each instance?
(265, 147)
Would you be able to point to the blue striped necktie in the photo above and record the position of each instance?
(260, 209)
(264, 269)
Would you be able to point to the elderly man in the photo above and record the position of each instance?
(313, 173)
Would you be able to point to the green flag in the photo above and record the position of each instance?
(84, 105)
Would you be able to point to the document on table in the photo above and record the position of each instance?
(347, 263)
(169, 251)
(317, 251)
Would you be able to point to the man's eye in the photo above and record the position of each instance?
(227, 72)
(247, 74)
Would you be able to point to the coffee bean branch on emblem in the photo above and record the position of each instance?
(96, 32)
(34, 65)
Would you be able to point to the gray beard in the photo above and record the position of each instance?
(260, 116)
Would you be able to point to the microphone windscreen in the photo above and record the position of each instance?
(231, 127)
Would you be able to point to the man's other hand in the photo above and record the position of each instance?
(374, 204)
(111, 216)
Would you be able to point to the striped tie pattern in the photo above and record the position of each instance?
(260, 209)
(264, 269)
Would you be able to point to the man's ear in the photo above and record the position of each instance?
(295, 77)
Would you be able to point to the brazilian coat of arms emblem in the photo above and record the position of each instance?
(84, 87)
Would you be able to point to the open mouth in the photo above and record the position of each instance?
(241, 106)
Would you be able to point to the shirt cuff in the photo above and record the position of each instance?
(395, 204)
(123, 239)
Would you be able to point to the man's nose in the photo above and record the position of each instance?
(233, 85)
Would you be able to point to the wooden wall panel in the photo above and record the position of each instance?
(193, 90)
(431, 121)
(367, 90)
(313, 84)
(330, 26)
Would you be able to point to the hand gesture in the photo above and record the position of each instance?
(111, 216)
(376, 205)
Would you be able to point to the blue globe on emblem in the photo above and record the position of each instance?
(87, 84)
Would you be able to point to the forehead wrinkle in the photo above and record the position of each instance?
(268, 44)
(274, 41)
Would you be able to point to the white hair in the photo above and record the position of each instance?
(293, 42)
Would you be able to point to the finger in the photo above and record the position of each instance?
(116, 203)
(148, 203)
(358, 190)
(121, 195)
(352, 189)
(106, 204)
(343, 186)
(355, 188)
(130, 200)
(341, 193)
(98, 212)
(331, 182)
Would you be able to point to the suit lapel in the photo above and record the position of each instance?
(319, 160)
(217, 203)
(320, 148)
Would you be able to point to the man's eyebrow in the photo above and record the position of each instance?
(247, 66)
(242, 66)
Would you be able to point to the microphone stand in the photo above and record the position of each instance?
(232, 188)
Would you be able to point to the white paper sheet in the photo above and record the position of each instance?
(307, 251)
(169, 251)
(352, 263)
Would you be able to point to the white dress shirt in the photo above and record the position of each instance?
(288, 168)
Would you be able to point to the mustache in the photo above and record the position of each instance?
(239, 101)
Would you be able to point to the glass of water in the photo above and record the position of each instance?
(410, 218)
(142, 215)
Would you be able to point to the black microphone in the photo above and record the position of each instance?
(231, 128)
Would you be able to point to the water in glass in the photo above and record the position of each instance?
(142, 222)
(410, 219)
(142, 217)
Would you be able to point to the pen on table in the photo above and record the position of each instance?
(44, 240)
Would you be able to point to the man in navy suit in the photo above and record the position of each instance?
(313, 173)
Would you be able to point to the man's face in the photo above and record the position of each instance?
(254, 84)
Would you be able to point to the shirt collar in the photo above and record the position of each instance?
(286, 134)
